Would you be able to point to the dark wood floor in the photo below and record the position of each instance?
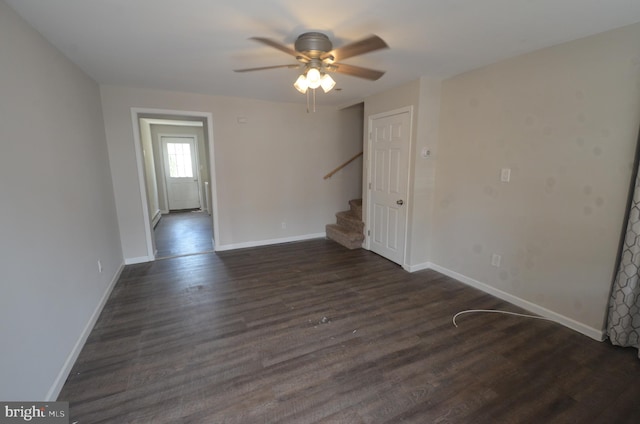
(313, 333)
(183, 233)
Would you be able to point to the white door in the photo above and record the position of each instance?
(180, 169)
(389, 145)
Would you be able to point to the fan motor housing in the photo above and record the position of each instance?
(313, 44)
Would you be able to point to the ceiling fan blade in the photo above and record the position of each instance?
(262, 68)
(356, 71)
(279, 46)
(356, 48)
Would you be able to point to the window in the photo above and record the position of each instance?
(179, 160)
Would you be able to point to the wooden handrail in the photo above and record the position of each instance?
(330, 174)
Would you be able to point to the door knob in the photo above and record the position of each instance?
(400, 202)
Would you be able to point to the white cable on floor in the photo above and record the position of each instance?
(496, 311)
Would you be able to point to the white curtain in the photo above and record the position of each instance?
(623, 324)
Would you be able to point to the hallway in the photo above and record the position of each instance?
(183, 233)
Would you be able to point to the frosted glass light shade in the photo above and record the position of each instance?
(313, 78)
(327, 83)
(301, 84)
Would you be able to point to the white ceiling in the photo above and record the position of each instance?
(194, 45)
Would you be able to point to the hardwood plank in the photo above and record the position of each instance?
(311, 332)
(183, 233)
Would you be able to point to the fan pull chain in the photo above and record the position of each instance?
(314, 100)
(311, 102)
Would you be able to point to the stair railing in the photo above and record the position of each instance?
(330, 174)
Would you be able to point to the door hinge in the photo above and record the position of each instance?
(368, 232)
(369, 186)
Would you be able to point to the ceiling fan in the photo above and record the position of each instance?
(318, 58)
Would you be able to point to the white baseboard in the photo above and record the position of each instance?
(156, 218)
(418, 267)
(138, 260)
(234, 246)
(591, 332)
(58, 383)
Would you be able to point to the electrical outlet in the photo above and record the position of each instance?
(283, 225)
(99, 266)
(505, 175)
(495, 260)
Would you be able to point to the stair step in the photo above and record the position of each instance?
(344, 236)
(349, 230)
(349, 220)
(356, 207)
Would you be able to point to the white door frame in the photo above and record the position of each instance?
(164, 171)
(163, 113)
(367, 186)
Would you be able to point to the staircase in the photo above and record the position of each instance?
(348, 231)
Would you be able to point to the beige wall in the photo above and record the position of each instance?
(58, 214)
(565, 121)
(424, 170)
(268, 170)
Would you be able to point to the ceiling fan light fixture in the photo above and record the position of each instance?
(327, 83)
(313, 78)
(315, 53)
(301, 84)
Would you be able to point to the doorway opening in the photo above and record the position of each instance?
(175, 165)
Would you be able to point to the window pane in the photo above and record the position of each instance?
(179, 160)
